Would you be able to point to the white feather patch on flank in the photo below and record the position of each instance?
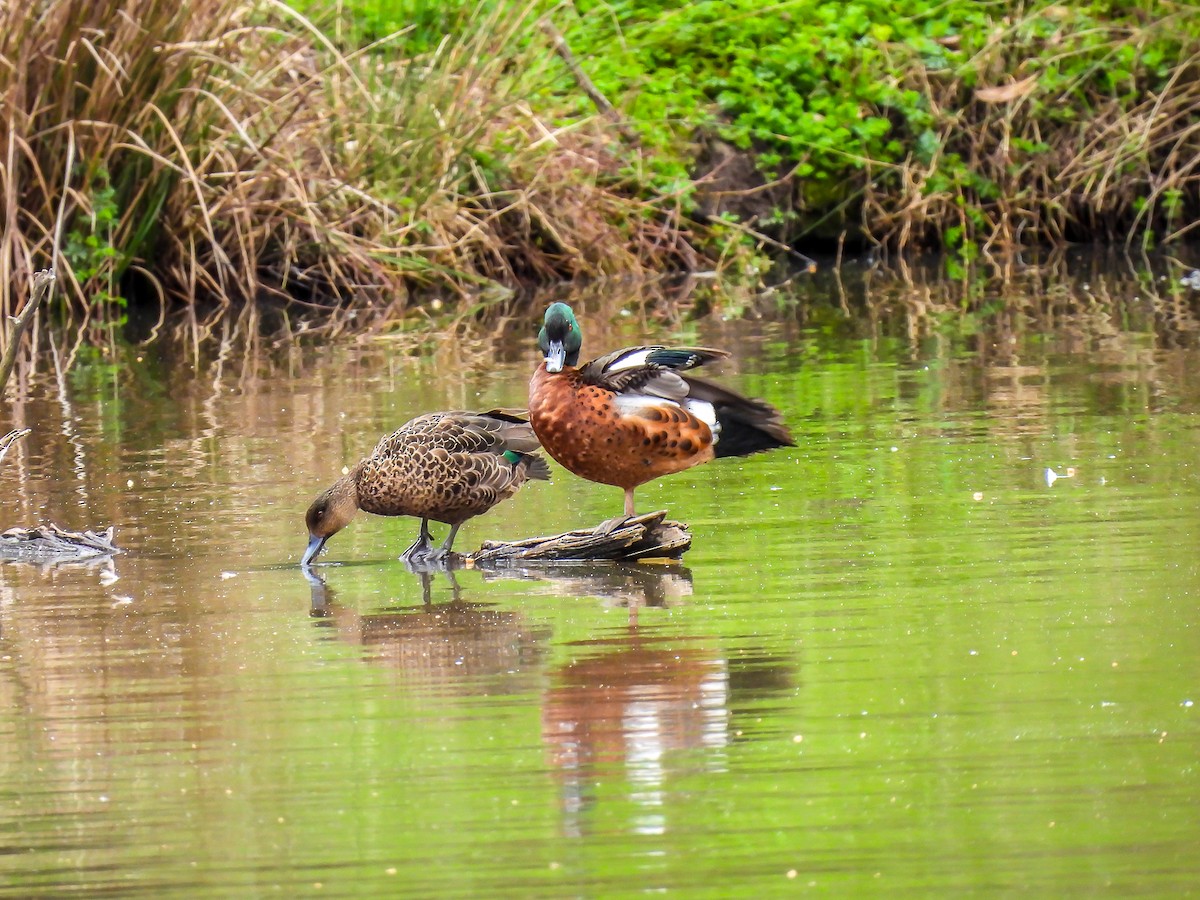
(637, 403)
(706, 413)
(629, 361)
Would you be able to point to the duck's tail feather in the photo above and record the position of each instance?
(747, 424)
(536, 467)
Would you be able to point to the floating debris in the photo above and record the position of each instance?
(50, 544)
(1052, 476)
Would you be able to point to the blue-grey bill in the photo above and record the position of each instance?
(315, 545)
(556, 357)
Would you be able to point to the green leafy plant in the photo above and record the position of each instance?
(89, 248)
(923, 117)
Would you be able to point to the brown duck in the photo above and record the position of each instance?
(631, 416)
(445, 466)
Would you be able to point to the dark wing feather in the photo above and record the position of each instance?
(648, 370)
(508, 443)
(537, 468)
(490, 434)
(499, 430)
(684, 357)
(748, 424)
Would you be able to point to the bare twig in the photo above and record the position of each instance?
(9, 439)
(810, 264)
(563, 49)
(43, 282)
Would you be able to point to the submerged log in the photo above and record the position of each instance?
(50, 544)
(648, 536)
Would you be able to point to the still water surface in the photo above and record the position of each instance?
(900, 660)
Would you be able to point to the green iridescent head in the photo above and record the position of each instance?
(560, 339)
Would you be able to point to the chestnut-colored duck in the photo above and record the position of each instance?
(632, 416)
(445, 466)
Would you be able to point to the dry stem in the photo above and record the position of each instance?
(43, 282)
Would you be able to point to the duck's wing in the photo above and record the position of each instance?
(501, 430)
(493, 431)
(504, 413)
(648, 371)
(747, 424)
(495, 444)
(495, 450)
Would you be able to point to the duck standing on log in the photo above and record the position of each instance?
(445, 466)
(632, 416)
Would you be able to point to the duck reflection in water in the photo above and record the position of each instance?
(469, 647)
(642, 706)
(631, 585)
(630, 704)
(626, 707)
(460, 641)
(630, 700)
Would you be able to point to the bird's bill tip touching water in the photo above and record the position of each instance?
(315, 545)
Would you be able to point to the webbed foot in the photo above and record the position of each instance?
(608, 526)
(420, 547)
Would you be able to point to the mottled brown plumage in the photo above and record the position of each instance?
(631, 416)
(446, 466)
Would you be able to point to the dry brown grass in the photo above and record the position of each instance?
(222, 152)
(1033, 148)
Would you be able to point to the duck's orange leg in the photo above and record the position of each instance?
(629, 502)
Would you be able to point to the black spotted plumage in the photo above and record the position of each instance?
(445, 466)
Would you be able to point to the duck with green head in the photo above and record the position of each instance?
(445, 466)
(633, 415)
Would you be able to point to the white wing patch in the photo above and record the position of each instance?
(636, 403)
(706, 413)
(631, 360)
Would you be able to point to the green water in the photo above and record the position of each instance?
(898, 660)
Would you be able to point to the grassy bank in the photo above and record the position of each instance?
(960, 124)
(232, 152)
(346, 160)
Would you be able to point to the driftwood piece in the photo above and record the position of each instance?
(648, 536)
(49, 543)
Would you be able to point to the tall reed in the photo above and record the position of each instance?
(229, 151)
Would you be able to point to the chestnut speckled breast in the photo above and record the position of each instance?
(582, 428)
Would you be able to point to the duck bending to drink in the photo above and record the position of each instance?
(445, 466)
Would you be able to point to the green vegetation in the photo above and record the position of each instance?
(955, 123)
(349, 158)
